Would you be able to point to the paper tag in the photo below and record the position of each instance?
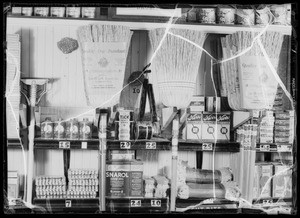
(64, 145)
(207, 147)
(125, 145)
(150, 145)
(83, 145)
(282, 148)
(264, 147)
(68, 203)
(155, 203)
(135, 203)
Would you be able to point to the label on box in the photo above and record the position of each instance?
(282, 182)
(216, 125)
(193, 126)
(265, 181)
(197, 104)
(256, 191)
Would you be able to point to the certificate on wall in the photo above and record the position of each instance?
(104, 69)
(258, 84)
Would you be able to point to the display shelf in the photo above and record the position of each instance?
(14, 143)
(138, 25)
(152, 144)
(90, 205)
(190, 145)
(274, 147)
(206, 204)
(136, 204)
(85, 144)
(272, 202)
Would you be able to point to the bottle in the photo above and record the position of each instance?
(59, 129)
(85, 129)
(47, 129)
(72, 129)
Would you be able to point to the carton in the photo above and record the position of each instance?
(124, 179)
(282, 182)
(12, 184)
(256, 191)
(194, 126)
(265, 188)
(197, 104)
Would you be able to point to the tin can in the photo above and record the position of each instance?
(27, 11)
(47, 129)
(72, 129)
(41, 11)
(58, 11)
(225, 15)
(245, 16)
(85, 129)
(263, 16)
(124, 125)
(207, 15)
(279, 12)
(88, 12)
(73, 12)
(143, 130)
(59, 129)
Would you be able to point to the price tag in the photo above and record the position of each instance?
(135, 203)
(68, 203)
(155, 203)
(264, 147)
(267, 201)
(150, 145)
(64, 144)
(125, 145)
(207, 147)
(282, 148)
(83, 145)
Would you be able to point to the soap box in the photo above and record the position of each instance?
(265, 188)
(282, 182)
(197, 104)
(194, 126)
(12, 184)
(216, 125)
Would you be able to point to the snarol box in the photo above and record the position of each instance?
(193, 126)
(216, 126)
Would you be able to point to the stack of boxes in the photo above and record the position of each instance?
(83, 183)
(284, 127)
(266, 131)
(50, 187)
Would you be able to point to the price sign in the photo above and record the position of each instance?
(125, 145)
(155, 203)
(135, 203)
(207, 147)
(150, 145)
(64, 145)
(267, 201)
(83, 145)
(283, 148)
(264, 147)
(68, 203)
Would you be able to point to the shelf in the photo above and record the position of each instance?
(181, 204)
(272, 202)
(274, 147)
(138, 25)
(84, 144)
(136, 204)
(69, 205)
(152, 144)
(14, 143)
(208, 146)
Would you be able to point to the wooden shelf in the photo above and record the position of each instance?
(208, 146)
(272, 202)
(152, 144)
(274, 147)
(138, 25)
(14, 143)
(84, 144)
(181, 204)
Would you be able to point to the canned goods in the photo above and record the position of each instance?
(225, 15)
(59, 129)
(73, 12)
(245, 16)
(41, 11)
(47, 129)
(280, 14)
(27, 11)
(58, 11)
(124, 125)
(143, 130)
(263, 16)
(207, 15)
(85, 129)
(88, 12)
(72, 129)
(192, 15)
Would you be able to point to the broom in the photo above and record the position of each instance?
(103, 80)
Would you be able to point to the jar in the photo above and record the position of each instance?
(72, 129)
(88, 12)
(225, 15)
(191, 15)
(279, 12)
(85, 129)
(47, 129)
(27, 11)
(263, 16)
(245, 16)
(59, 129)
(73, 12)
(206, 15)
(41, 11)
(58, 11)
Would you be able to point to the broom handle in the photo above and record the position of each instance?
(152, 102)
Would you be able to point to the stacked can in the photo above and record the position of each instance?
(83, 183)
(50, 187)
(266, 130)
(284, 127)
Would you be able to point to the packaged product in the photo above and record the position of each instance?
(194, 126)
(47, 129)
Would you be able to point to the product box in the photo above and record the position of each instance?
(197, 104)
(121, 154)
(194, 126)
(213, 104)
(124, 179)
(219, 123)
(265, 188)
(256, 190)
(12, 184)
(282, 182)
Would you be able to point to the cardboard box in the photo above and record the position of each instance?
(12, 184)
(256, 190)
(282, 183)
(194, 126)
(121, 154)
(197, 104)
(216, 125)
(265, 188)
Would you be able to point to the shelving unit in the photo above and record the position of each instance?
(274, 147)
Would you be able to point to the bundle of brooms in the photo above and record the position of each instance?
(176, 65)
(98, 33)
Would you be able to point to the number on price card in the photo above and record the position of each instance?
(135, 203)
(264, 147)
(207, 147)
(125, 145)
(155, 203)
(64, 145)
(68, 203)
(150, 145)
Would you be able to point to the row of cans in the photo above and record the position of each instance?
(50, 192)
(51, 187)
(51, 196)
(84, 182)
(83, 188)
(82, 196)
(71, 129)
(46, 180)
(83, 172)
(73, 12)
(273, 14)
